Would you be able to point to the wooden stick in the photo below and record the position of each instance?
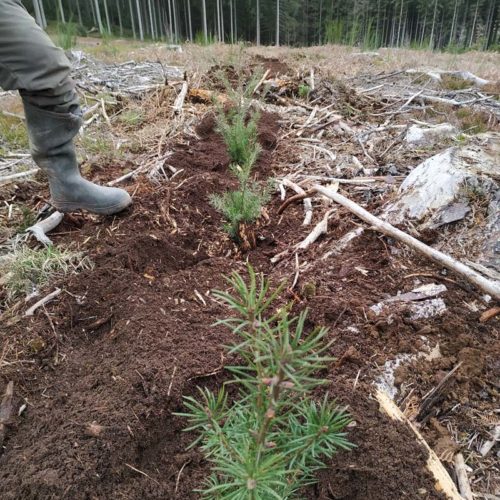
(19, 175)
(307, 201)
(320, 228)
(444, 483)
(42, 302)
(41, 228)
(488, 286)
(488, 445)
(262, 80)
(179, 100)
(463, 480)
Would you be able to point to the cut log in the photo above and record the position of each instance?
(444, 483)
(490, 287)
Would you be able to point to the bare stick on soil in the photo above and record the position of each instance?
(488, 445)
(488, 286)
(41, 228)
(463, 480)
(319, 229)
(307, 201)
(19, 175)
(42, 302)
(444, 483)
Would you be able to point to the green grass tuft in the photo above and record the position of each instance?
(26, 269)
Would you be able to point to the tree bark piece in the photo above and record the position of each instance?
(488, 445)
(490, 287)
(444, 483)
(463, 480)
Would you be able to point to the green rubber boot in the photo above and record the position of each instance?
(51, 139)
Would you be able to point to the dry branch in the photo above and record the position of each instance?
(307, 201)
(463, 480)
(42, 302)
(488, 445)
(41, 228)
(319, 229)
(179, 100)
(488, 286)
(19, 175)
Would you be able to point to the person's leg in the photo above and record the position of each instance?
(30, 63)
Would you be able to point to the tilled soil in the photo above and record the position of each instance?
(106, 365)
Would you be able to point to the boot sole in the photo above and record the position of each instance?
(110, 210)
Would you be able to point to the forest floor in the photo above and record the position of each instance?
(99, 370)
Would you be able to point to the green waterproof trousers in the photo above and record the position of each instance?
(31, 63)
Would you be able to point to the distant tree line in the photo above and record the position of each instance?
(436, 24)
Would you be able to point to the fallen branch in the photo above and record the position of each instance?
(341, 244)
(42, 302)
(307, 201)
(19, 175)
(488, 286)
(462, 479)
(444, 483)
(488, 445)
(179, 100)
(262, 80)
(319, 229)
(41, 228)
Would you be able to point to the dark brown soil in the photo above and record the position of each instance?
(103, 369)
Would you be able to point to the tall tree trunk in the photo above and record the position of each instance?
(258, 23)
(231, 16)
(120, 22)
(320, 27)
(473, 29)
(176, 20)
(205, 30)
(92, 9)
(433, 28)
(217, 15)
(235, 23)
(98, 16)
(61, 11)
(277, 23)
(453, 24)
(79, 12)
(38, 14)
(190, 22)
(170, 22)
(139, 20)
(106, 12)
(151, 25)
(222, 22)
(399, 24)
(132, 18)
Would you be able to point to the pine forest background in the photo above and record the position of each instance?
(437, 24)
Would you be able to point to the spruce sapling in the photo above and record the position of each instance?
(238, 126)
(270, 441)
